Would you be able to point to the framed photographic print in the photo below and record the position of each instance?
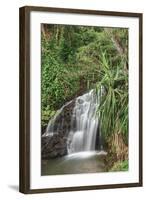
(80, 99)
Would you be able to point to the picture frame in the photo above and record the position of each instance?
(29, 144)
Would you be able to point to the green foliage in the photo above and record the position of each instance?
(120, 166)
(113, 109)
(78, 58)
(56, 83)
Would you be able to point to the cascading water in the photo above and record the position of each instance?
(73, 138)
(75, 127)
(56, 123)
(82, 136)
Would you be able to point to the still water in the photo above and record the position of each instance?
(76, 163)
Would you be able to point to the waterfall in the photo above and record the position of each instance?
(75, 127)
(82, 136)
(57, 119)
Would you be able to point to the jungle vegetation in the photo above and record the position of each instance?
(78, 58)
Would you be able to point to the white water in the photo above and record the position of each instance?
(82, 136)
(50, 128)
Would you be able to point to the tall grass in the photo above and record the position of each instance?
(113, 108)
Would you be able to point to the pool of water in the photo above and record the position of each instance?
(76, 163)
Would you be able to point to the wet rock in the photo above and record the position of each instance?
(56, 145)
(80, 101)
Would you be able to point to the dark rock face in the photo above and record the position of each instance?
(56, 145)
(53, 146)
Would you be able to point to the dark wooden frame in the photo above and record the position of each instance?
(24, 142)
